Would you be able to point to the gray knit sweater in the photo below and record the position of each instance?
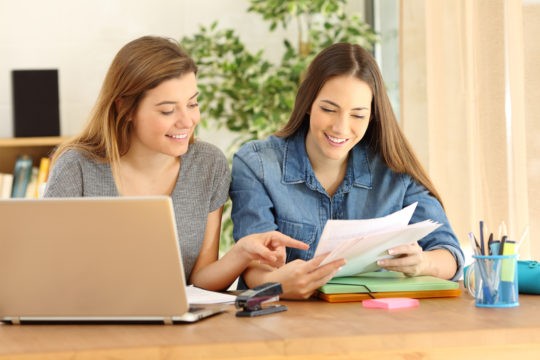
(202, 187)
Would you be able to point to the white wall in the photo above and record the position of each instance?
(80, 38)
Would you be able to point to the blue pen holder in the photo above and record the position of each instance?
(494, 281)
(528, 276)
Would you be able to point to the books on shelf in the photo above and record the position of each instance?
(42, 176)
(6, 183)
(22, 175)
(32, 183)
(27, 180)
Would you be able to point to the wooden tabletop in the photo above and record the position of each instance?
(448, 328)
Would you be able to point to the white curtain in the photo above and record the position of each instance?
(463, 82)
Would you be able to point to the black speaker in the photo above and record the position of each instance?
(35, 103)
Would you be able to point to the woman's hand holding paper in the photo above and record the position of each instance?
(408, 259)
(411, 260)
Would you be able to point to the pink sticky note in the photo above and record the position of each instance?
(390, 303)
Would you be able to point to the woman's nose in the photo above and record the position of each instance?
(183, 120)
(341, 124)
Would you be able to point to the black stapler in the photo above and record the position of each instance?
(250, 301)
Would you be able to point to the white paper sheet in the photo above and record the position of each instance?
(363, 242)
(198, 296)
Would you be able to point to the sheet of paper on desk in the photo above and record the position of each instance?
(198, 296)
(363, 242)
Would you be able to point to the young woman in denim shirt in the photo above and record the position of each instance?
(342, 155)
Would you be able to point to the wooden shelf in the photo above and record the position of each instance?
(36, 147)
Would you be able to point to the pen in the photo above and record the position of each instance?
(503, 242)
(477, 245)
(482, 250)
(474, 244)
(488, 292)
(490, 243)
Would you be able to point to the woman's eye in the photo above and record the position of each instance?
(193, 105)
(359, 116)
(167, 112)
(327, 110)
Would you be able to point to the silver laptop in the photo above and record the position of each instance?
(92, 260)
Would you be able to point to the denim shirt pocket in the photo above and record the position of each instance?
(299, 231)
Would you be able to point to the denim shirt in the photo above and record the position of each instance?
(274, 188)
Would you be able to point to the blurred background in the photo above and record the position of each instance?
(462, 75)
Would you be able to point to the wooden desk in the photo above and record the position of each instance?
(449, 328)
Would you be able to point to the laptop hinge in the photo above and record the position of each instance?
(15, 320)
(168, 320)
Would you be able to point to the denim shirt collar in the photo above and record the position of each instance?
(297, 167)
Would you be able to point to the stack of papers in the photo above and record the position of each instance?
(386, 284)
(198, 296)
(385, 281)
(363, 242)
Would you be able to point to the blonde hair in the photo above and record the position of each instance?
(139, 66)
(383, 135)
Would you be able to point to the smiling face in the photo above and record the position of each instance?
(167, 116)
(339, 118)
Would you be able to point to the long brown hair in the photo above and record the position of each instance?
(383, 135)
(139, 66)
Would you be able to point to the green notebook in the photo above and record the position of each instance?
(385, 281)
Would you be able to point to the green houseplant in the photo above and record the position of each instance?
(251, 96)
